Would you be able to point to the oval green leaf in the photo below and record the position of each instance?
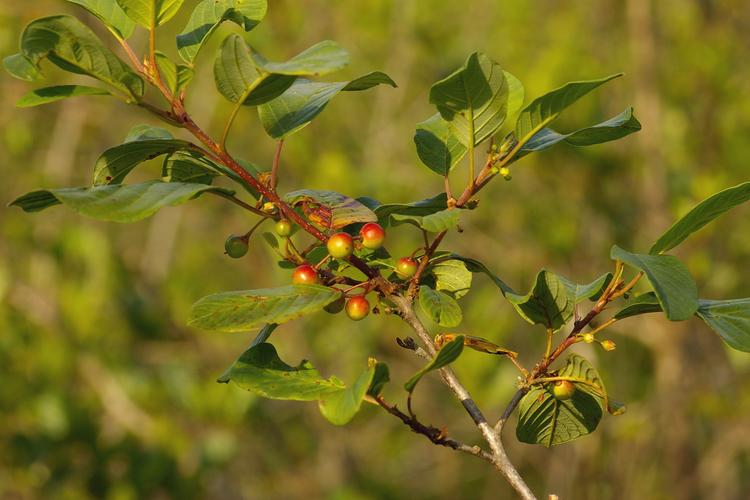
(730, 319)
(46, 95)
(244, 310)
(440, 307)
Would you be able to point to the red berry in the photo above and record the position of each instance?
(357, 308)
(406, 267)
(305, 275)
(563, 389)
(372, 235)
(340, 245)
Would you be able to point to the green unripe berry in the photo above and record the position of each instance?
(563, 389)
(283, 228)
(236, 246)
(340, 245)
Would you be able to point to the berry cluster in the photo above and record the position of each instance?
(340, 246)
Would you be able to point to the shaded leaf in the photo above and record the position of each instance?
(176, 77)
(440, 307)
(545, 109)
(615, 128)
(116, 203)
(445, 356)
(145, 132)
(188, 167)
(261, 371)
(673, 285)
(475, 266)
(368, 81)
(730, 319)
(703, 213)
(379, 379)
(72, 46)
(417, 208)
(51, 94)
(438, 148)
(247, 309)
(550, 302)
(545, 420)
(302, 102)
(209, 14)
(642, 304)
(434, 223)
(116, 163)
(111, 14)
(477, 344)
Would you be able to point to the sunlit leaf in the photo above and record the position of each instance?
(46, 95)
(243, 310)
(437, 146)
(703, 213)
(673, 285)
(150, 13)
(445, 356)
(111, 14)
(730, 319)
(116, 203)
(440, 307)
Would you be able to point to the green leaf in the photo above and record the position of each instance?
(176, 77)
(116, 203)
(642, 304)
(247, 309)
(302, 102)
(434, 223)
(150, 13)
(209, 14)
(671, 280)
(475, 266)
(188, 167)
(545, 109)
(239, 80)
(320, 59)
(261, 371)
(110, 14)
(545, 420)
(379, 379)
(340, 407)
(473, 99)
(69, 44)
(445, 356)
(728, 318)
(615, 128)
(337, 210)
(440, 307)
(438, 148)
(452, 276)
(590, 291)
(116, 163)
(417, 208)
(51, 94)
(145, 132)
(19, 66)
(703, 213)
(550, 302)
(372, 79)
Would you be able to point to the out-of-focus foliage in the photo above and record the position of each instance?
(106, 393)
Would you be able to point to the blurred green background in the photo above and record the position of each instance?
(105, 393)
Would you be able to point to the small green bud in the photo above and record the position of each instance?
(588, 337)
